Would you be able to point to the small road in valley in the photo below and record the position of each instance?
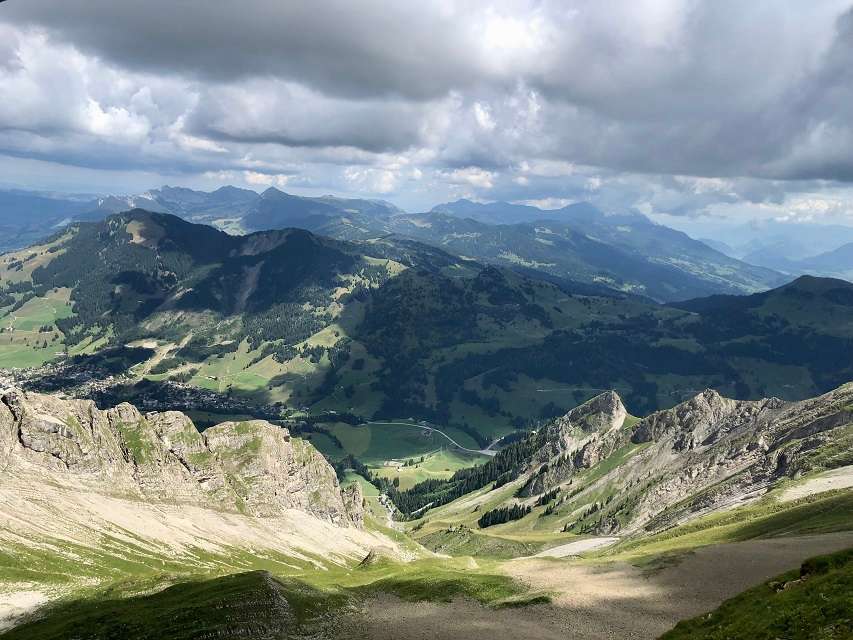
(484, 452)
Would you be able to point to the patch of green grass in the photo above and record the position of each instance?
(376, 442)
(21, 355)
(814, 603)
(630, 421)
(436, 465)
(615, 459)
(836, 452)
(821, 513)
(22, 344)
(244, 427)
(434, 581)
(261, 604)
(137, 445)
(465, 541)
(242, 605)
(325, 445)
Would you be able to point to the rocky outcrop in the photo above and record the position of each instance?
(601, 414)
(251, 467)
(705, 454)
(354, 503)
(581, 439)
(713, 452)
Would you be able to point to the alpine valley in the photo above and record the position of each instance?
(241, 415)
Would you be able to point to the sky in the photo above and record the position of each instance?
(695, 113)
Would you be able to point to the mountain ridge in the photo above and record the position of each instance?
(250, 467)
(625, 251)
(595, 471)
(391, 328)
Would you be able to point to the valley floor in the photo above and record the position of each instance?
(593, 601)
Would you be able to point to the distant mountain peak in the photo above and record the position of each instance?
(817, 284)
(271, 192)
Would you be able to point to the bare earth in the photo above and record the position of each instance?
(608, 601)
(16, 604)
(51, 517)
(841, 478)
(576, 548)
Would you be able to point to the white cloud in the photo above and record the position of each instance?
(547, 168)
(545, 101)
(473, 176)
(547, 203)
(265, 179)
(483, 115)
(373, 180)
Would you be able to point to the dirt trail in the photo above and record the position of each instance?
(609, 601)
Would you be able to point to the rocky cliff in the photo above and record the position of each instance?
(713, 452)
(705, 454)
(252, 467)
(582, 438)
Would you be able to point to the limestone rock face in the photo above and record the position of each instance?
(580, 439)
(705, 454)
(701, 419)
(711, 452)
(269, 471)
(252, 467)
(600, 415)
(354, 503)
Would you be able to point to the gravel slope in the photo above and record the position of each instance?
(610, 601)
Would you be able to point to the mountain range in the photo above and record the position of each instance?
(624, 252)
(792, 247)
(389, 328)
(436, 426)
(131, 525)
(600, 471)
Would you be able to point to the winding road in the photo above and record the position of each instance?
(485, 452)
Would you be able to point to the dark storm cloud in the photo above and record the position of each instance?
(271, 111)
(342, 47)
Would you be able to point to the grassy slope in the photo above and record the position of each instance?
(440, 464)
(262, 603)
(820, 513)
(489, 349)
(440, 528)
(21, 342)
(814, 603)
(376, 442)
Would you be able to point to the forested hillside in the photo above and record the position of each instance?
(393, 328)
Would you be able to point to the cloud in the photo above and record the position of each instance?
(679, 107)
(472, 176)
(271, 111)
(368, 48)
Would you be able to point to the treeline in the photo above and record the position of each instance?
(286, 323)
(351, 462)
(8, 294)
(114, 281)
(545, 498)
(503, 514)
